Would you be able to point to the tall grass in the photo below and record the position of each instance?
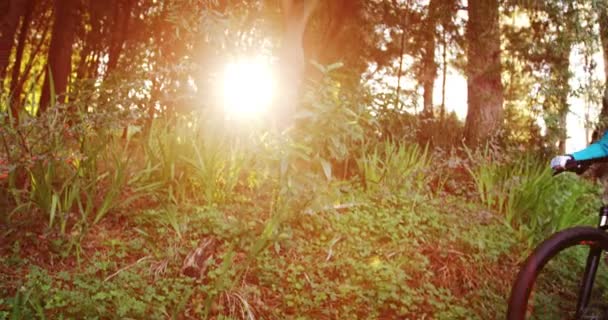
(395, 166)
(68, 166)
(531, 199)
(195, 160)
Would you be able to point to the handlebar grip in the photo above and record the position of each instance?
(572, 165)
(575, 166)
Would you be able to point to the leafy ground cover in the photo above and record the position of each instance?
(189, 220)
(389, 258)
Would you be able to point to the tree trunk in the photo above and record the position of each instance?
(444, 73)
(296, 14)
(91, 42)
(603, 123)
(60, 52)
(484, 86)
(121, 23)
(329, 48)
(399, 71)
(561, 69)
(12, 11)
(36, 49)
(429, 66)
(15, 78)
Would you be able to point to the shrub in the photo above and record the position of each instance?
(526, 193)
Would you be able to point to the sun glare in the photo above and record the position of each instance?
(248, 88)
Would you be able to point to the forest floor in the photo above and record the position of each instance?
(208, 230)
(383, 256)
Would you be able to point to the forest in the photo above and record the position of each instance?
(292, 159)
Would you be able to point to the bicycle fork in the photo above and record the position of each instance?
(593, 261)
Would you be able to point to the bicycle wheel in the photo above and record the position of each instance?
(549, 284)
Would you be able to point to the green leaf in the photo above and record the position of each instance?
(326, 168)
(54, 202)
(334, 66)
(52, 94)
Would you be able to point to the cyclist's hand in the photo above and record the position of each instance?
(559, 162)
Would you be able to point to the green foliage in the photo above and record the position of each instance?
(394, 166)
(298, 233)
(437, 132)
(196, 159)
(86, 295)
(527, 194)
(363, 209)
(68, 166)
(301, 240)
(363, 263)
(440, 132)
(330, 124)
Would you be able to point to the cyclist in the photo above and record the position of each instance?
(598, 149)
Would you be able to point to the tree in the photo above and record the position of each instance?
(60, 51)
(12, 10)
(15, 88)
(429, 66)
(603, 21)
(555, 27)
(335, 33)
(296, 15)
(484, 86)
(122, 15)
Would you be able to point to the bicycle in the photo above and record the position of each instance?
(576, 240)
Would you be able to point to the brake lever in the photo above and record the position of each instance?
(579, 166)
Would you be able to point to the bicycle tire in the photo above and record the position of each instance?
(527, 276)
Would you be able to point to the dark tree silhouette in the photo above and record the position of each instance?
(11, 12)
(484, 86)
(60, 51)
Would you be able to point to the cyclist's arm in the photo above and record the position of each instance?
(598, 149)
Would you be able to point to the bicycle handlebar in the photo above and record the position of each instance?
(579, 166)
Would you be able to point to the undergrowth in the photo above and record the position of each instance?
(328, 220)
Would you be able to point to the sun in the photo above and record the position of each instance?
(249, 88)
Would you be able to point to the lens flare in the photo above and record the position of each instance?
(248, 88)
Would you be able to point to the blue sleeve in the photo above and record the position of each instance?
(598, 149)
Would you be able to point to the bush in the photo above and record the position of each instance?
(71, 167)
(526, 193)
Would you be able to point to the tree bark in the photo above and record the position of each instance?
(399, 71)
(603, 17)
(12, 10)
(562, 75)
(429, 66)
(60, 52)
(444, 73)
(17, 86)
(296, 14)
(16, 92)
(329, 48)
(484, 86)
(91, 42)
(121, 23)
